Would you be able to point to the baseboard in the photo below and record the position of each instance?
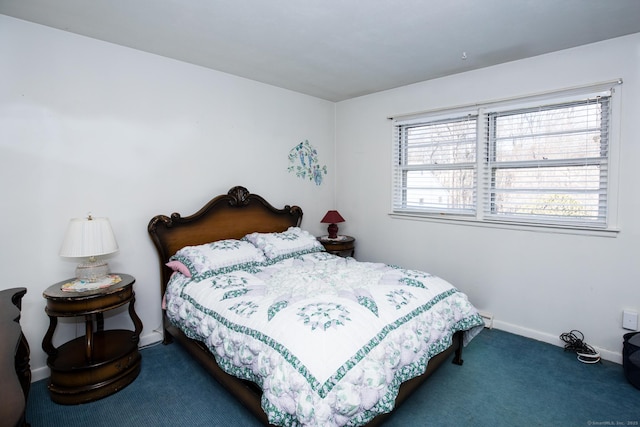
(551, 339)
(151, 338)
(40, 374)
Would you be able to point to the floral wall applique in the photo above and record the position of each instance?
(303, 161)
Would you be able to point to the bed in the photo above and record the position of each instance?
(297, 335)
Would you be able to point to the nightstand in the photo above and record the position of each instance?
(343, 246)
(101, 362)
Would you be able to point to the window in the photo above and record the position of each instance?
(537, 161)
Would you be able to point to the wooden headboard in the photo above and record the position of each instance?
(227, 216)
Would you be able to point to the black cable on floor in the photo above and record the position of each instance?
(575, 342)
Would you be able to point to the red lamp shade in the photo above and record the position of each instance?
(331, 217)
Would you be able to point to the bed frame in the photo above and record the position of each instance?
(232, 216)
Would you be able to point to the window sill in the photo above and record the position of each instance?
(537, 228)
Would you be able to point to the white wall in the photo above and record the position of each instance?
(536, 284)
(87, 126)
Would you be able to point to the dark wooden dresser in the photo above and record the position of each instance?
(15, 373)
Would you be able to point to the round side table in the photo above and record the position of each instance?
(101, 362)
(344, 246)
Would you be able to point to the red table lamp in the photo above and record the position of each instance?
(331, 217)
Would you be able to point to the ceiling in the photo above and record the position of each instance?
(338, 49)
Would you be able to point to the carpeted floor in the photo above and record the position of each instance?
(506, 380)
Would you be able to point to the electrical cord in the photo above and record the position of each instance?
(575, 342)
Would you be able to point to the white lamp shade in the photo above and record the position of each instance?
(87, 237)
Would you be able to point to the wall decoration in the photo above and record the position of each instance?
(303, 160)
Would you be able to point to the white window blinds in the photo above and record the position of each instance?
(549, 164)
(436, 166)
(541, 160)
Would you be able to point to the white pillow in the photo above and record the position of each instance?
(218, 257)
(290, 243)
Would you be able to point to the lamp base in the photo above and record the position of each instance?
(333, 231)
(92, 270)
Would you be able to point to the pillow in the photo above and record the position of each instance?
(179, 267)
(217, 257)
(289, 243)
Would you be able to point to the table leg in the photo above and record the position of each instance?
(100, 322)
(89, 337)
(136, 320)
(47, 341)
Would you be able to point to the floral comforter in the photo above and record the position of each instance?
(329, 340)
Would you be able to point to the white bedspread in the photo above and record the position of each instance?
(328, 339)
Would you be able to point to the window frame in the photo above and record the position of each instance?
(434, 168)
(482, 216)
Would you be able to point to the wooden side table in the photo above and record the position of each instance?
(101, 362)
(343, 246)
(15, 375)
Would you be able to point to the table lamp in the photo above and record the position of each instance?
(331, 217)
(89, 238)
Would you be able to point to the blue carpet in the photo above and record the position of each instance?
(506, 380)
(509, 380)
